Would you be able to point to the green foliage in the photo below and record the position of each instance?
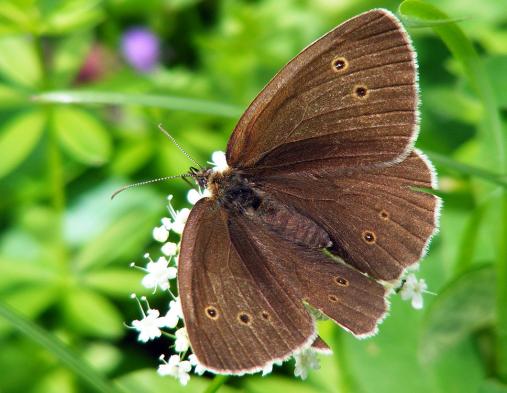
(69, 138)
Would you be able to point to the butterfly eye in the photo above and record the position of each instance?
(369, 237)
(244, 318)
(339, 64)
(212, 312)
(361, 91)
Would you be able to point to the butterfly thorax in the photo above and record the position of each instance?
(238, 195)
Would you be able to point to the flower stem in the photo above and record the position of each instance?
(56, 179)
(217, 382)
(167, 334)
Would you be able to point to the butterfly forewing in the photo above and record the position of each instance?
(238, 316)
(348, 100)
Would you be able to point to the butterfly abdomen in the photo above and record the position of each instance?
(291, 225)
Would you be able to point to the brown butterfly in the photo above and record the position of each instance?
(317, 208)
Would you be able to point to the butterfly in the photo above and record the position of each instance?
(319, 207)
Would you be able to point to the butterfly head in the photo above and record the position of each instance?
(201, 176)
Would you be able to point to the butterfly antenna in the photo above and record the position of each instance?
(142, 183)
(178, 145)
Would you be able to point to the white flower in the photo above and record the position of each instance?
(305, 360)
(179, 220)
(167, 223)
(158, 274)
(174, 314)
(195, 195)
(219, 161)
(199, 369)
(413, 289)
(175, 367)
(169, 249)
(160, 234)
(181, 344)
(149, 326)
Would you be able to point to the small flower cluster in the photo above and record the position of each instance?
(161, 275)
(413, 289)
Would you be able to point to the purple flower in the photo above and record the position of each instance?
(141, 48)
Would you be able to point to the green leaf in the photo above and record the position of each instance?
(128, 233)
(58, 349)
(69, 56)
(466, 169)
(132, 156)
(92, 314)
(114, 282)
(14, 272)
(492, 386)
(93, 212)
(422, 21)
(15, 17)
(57, 381)
(465, 305)
(82, 135)
(19, 61)
(464, 52)
(105, 357)
(496, 65)
(166, 102)
(32, 301)
(458, 106)
(69, 16)
(11, 97)
(18, 138)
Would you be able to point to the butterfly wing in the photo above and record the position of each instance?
(239, 318)
(377, 221)
(336, 103)
(243, 293)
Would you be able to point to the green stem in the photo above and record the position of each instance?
(217, 382)
(346, 383)
(501, 300)
(149, 100)
(468, 242)
(466, 169)
(58, 349)
(56, 182)
(55, 174)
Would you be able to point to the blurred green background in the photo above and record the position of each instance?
(78, 118)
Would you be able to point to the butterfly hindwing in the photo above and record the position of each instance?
(334, 289)
(378, 222)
